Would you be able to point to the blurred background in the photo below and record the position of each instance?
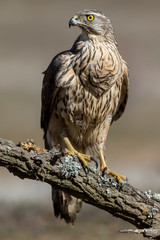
(32, 32)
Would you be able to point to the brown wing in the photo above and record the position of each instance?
(65, 206)
(50, 89)
(124, 93)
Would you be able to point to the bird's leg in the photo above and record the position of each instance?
(105, 169)
(70, 150)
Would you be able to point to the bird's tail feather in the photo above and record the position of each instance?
(65, 206)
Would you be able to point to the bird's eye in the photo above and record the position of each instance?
(90, 17)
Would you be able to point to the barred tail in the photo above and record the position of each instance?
(65, 206)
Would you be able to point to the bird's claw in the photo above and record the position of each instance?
(104, 171)
(85, 168)
(84, 158)
(63, 153)
(121, 179)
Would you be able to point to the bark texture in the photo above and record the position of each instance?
(66, 173)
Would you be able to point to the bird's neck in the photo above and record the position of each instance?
(90, 54)
(107, 40)
(85, 40)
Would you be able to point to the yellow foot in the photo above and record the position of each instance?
(120, 178)
(70, 150)
(84, 158)
(104, 169)
(30, 145)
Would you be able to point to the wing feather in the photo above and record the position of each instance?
(124, 93)
(49, 88)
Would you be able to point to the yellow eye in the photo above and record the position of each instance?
(90, 17)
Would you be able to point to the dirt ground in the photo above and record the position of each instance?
(32, 32)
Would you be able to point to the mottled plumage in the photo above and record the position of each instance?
(84, 90)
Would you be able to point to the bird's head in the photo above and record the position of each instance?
(92, 22)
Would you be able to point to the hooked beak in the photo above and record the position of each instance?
(72, 22)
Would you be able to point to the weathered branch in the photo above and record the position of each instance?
(65, 173)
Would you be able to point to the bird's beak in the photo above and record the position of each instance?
(73, 21)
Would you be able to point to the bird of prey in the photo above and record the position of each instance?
(84, 90)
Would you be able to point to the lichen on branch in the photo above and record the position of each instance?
(66, 173)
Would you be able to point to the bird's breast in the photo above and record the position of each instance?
(78, 106)
(92, 98)
(98, 67)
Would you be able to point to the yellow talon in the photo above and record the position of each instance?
(70, 150)
(76, 153)
(120, 178)
(104, 168)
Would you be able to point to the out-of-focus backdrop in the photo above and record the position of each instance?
(31, 33)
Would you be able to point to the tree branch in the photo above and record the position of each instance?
(66, 173)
